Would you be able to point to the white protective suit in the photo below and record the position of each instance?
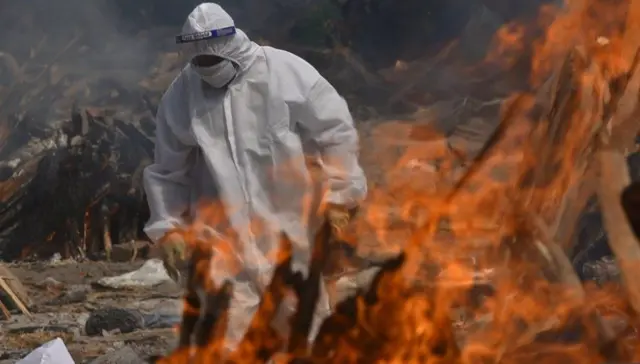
(242, 145)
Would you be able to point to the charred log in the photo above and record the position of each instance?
(83, 192)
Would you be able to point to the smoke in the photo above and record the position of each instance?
(56, 53)
(121, 40)
(117, 33)
(88, 38)
(38, 30)
(124, 34)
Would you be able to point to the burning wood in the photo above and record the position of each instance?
(537, 309)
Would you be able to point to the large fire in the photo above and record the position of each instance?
(483, 276)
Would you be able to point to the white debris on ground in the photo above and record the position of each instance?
(53, 352)
(150, 274)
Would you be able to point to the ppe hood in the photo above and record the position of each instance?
(229, 43)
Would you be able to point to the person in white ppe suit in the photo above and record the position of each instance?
(233, 128)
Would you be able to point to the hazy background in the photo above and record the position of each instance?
(381, 31)
(88, 48)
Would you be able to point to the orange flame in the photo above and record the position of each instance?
(489, 231)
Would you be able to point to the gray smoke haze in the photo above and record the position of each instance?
(55, 53)
(121, 34)
(121, 31)
(84, 37)
(121, 40)
(39, 31)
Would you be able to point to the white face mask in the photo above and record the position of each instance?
(219, 75)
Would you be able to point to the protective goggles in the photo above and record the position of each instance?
(208, 34)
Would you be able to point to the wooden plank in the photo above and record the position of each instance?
(5, 311)
(16, 300)
(14, 283)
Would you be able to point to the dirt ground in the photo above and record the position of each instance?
(60, 311)
(65, 294)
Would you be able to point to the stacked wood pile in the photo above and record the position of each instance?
(80, 193)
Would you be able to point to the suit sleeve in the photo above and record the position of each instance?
(327, 121)
(167, 181)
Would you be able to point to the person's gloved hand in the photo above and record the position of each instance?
(339, 217)
(174, 251)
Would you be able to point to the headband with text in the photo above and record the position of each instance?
(208, 34)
